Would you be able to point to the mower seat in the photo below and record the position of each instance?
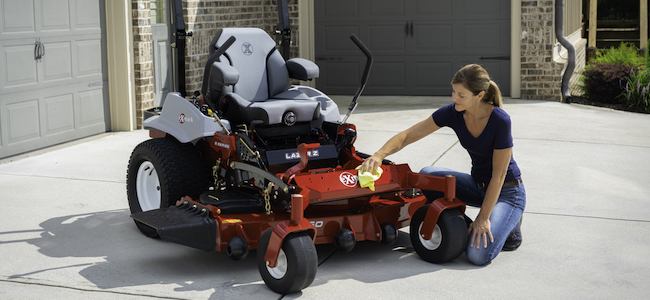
(250, 84)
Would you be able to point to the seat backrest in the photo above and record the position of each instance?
(262, 70)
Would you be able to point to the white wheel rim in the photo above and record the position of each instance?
(280, 266)
(147, 187)
(434, 242)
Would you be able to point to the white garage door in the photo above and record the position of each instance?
(417, 45)
(52, 73)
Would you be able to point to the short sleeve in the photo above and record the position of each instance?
(443, 116)
(503, 133)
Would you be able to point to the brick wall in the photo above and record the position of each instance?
(142, 57)
(541, 77)
(204, 18)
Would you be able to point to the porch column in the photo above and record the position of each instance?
(643, 11)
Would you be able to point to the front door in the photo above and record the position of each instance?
(162, 73)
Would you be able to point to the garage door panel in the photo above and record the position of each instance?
(17, 16)
(429, 8)
(338, 9)
(483, 7)
(387, 8)
(87, 14)
(386, 38)
(21, 68)
(336, 40)
(433, 37)
(393, 74)
(59, 113)
(57, 63)
(57, 16)
(347, 74)
(89, 57)
(23, 121)
(481, 37)
(91, 105)
(432, 74)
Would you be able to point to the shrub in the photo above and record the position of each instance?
(637, 90)
(626, 54)
(605, 82)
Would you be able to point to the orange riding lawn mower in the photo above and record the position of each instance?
(256, 163)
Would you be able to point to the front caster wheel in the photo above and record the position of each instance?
(296, 265)
(449, 238)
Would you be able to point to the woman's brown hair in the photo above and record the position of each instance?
(476, 79)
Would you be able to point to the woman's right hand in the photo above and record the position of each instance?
(371, 164)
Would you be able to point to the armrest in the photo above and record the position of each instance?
(302, 69)
(222, 73)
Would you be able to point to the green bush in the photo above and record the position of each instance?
(604, 82)
(606, 78)
(626, 54)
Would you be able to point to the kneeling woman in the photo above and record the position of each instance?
(494, 184)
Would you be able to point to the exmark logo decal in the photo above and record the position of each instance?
(182, 119)
(348, 179)
(247, 48)
(296, 155)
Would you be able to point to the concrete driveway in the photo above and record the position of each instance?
(65, 230)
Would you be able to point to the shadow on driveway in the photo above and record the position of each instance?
(133, 260)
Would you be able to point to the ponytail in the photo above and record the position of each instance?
(493, 95)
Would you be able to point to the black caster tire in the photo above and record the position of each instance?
(296, 266)
(449, 238)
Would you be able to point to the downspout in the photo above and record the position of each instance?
(571, 64)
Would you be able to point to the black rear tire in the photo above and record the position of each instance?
(160, 172)
(293, 272)
(449, 238)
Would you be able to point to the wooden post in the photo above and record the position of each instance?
(593, 23)
(643, 11)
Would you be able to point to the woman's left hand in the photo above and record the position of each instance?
(480, 228)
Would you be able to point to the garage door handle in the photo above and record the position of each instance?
(39, 50)
(409, 28)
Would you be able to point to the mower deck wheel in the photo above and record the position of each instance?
(449, 238)
(296, 265)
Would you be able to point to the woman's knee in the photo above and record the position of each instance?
(435, 170)
(479, 257)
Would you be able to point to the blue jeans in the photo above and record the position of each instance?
(505, 215)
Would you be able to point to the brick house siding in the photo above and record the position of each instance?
(541, 75)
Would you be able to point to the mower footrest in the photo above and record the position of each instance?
(186, 224)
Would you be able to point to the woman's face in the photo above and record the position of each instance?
(464, 98)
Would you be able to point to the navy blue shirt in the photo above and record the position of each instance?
(496, 135)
